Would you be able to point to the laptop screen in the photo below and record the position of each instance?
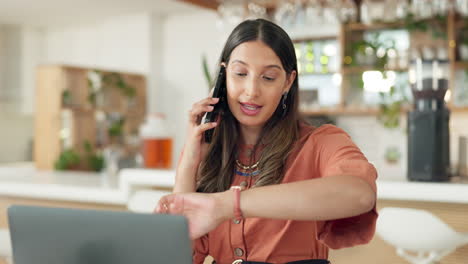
(71, 236)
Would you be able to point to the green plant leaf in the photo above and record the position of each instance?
(116, 128)
(206, 72)
(96, 162)
(66, 97)
(67, 159)
(87, 146)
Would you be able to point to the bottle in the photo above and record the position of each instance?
(157, 142)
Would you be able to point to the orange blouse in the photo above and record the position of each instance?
(319, 152)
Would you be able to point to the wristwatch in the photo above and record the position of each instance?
(237, 210)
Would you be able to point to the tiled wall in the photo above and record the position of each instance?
(374, 139)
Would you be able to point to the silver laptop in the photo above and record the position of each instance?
(43, 235)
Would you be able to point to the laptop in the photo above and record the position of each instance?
(42, 235)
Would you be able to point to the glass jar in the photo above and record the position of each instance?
(156, 142)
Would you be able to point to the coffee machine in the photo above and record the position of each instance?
(428, 122)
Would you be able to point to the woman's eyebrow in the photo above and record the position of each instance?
(267, 66)
(274, 66)
(239, 61)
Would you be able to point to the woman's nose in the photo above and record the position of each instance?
(252, 87)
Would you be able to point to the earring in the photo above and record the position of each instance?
(285, 96)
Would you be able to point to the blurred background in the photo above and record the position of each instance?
(97, 87)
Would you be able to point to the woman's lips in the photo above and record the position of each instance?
(249, 109)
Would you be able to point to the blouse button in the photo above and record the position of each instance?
(243, 184)
(239, 252)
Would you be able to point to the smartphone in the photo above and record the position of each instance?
(221, 93)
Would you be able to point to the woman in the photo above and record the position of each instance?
(299, 190)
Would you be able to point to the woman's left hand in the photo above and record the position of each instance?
(204, 212)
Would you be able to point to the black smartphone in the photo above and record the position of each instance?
(219, 92)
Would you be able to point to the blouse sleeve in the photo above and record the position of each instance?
(338, 155)
(200, 249)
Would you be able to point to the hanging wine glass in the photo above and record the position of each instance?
(300, 13)
(231, 12)
(347, 12)
(257, 10)
(442, 7)
(313, 12)
(285, 14)
(401, 11)
(330, 11)
(462, 7)
(422, 9)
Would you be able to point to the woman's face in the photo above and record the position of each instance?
(255, 81)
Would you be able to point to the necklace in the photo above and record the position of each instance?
(247, 174)
(244, 167)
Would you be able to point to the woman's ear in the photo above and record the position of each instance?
(289, 81)
(223, 64)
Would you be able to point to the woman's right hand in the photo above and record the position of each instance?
(195, 148)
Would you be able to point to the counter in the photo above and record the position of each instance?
(23, 180)
(449, 192)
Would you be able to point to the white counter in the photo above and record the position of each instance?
(449, 192)
(25, 181)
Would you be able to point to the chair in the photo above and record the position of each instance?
(418, 236)
(5, 245)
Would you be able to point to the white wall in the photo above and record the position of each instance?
(120, 43)
(32, 47)
(20, 51)
(373, 140)
(186, 38)
(155, 76)
(16, 135)
(10, 67)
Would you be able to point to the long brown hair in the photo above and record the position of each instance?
(279, 133)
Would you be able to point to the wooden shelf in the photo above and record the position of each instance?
(377, 26)
(371, 110)
(461, 65)
(321, 38)
(458, 109)
(210, 4)
(461, 24)
(88, 110)
(382, 25)
(342, 111)
(360, 69)
(78, 109)
(52, 80)
(317, 74)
